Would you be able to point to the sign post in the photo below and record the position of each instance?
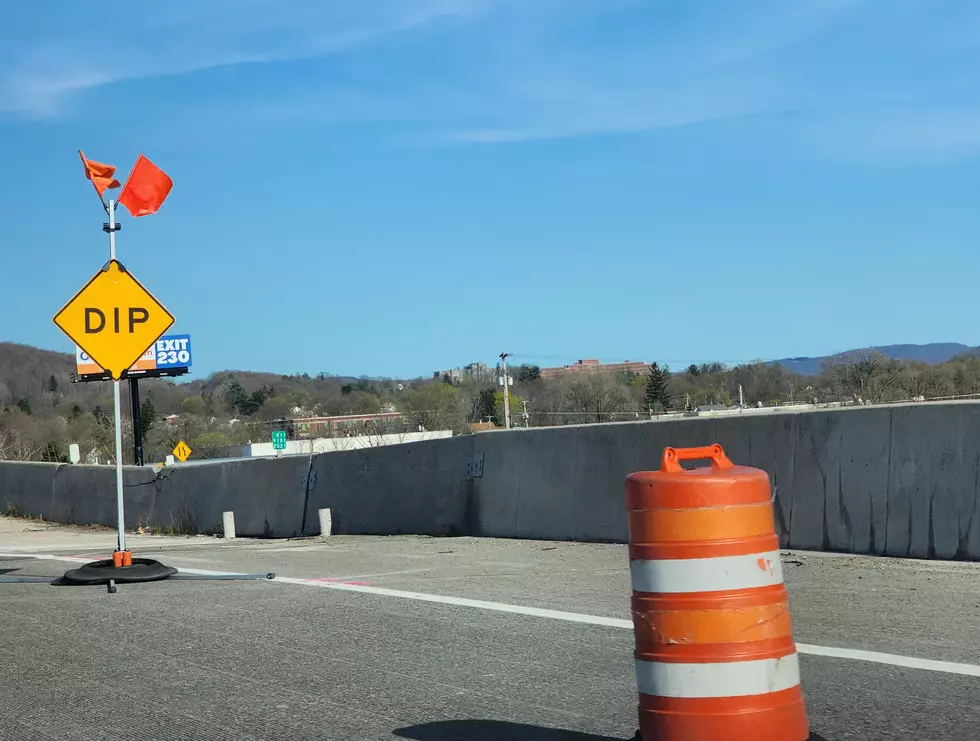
(114, 320)
(116, 404)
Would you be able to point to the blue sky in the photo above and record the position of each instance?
(390, 187)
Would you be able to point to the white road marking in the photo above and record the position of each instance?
(908, 662)
(109, 546)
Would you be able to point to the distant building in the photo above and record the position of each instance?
(476, 371)
(453, 375)
(346, 424)
(591, 366)
(307, 446)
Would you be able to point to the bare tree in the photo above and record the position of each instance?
(869, 377)
(14, 446)
(601, 396)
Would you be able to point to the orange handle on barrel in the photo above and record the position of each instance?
(670, 463)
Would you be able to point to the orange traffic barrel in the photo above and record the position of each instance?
(715, 657)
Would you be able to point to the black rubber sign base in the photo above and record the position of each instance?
(100, 572)
(107, 573)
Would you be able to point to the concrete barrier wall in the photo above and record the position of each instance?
(896, 480)
(266, 495)
(567, 482)
(893, 480)
(74, 494)
(420, 488)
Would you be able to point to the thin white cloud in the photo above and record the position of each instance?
(600, 121)
(533, 84)
(40, 78)
(788, 69)
(859, 76)
(714, 67)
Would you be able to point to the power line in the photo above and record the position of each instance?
(567, 359)
(591, 414)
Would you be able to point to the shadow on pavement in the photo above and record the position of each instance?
(493, 730)
(8, 577)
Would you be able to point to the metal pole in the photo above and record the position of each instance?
(117, 416)
(134, 397)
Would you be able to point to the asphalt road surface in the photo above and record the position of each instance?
(439, 639)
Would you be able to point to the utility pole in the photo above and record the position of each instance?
(503, 363)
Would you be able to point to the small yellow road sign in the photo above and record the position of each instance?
(183, 451)
(114, 319)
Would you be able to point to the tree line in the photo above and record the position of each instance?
(42, 413)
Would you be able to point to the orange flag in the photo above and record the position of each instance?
(146, 189)
(99, 174)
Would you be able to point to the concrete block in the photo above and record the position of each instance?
(71, 493)
(228, 525)
(326, 522)
(545, 462)
(840, 480)
(856, 512)
(28, 489)
(933, 482)
(917, 441)
(497, 490)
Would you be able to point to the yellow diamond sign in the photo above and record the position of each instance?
(114, 319)
(182, 451)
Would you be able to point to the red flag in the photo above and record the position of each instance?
(146, 189)
(99, 174)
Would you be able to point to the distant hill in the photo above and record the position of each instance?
(936, 352)
(25, 371)
(33, 374)
(29, 372)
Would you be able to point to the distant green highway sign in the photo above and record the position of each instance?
(279, 440)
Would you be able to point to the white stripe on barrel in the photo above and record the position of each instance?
(730, 679)
(717, 574)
